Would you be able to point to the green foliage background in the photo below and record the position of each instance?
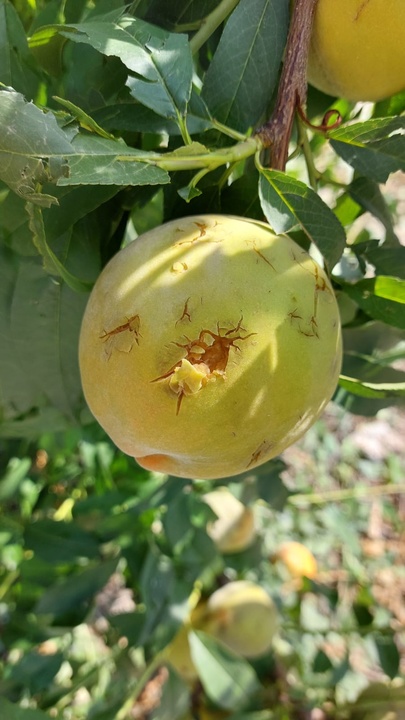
(115, 118)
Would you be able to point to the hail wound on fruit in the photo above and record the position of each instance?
(202, 235)
(263, 448)
(122, 337)
(186, 313)
(263, 257)
(360, 9)
(311, 329)
(293, 315)
(206, 358)
(178, 267)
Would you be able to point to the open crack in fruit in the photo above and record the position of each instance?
(209, 345)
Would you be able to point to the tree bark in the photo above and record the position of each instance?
(292, 91)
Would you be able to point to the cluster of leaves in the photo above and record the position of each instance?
(99, 561)
(115, 119)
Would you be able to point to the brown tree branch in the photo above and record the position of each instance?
(292, 91)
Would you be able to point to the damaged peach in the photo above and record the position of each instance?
(206, 359)
(209, 345)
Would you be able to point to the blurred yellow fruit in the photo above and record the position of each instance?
(209, 345)
(177, 653)
(240, 614)
(243, 617)
(357, 48)
(380, 702)
(298, 560)
(234, 528)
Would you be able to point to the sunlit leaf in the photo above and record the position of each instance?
(242, 75)
(289, 203)
(228, 679)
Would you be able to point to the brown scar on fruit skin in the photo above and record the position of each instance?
(360, 10)
(202, 227)
(263, 257)
(185, 313)
(132, 325)
(293, 315)
(210, 358)
(320, 286)
(256, 455)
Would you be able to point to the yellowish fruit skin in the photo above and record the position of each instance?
(243, 617)
(209, 345)
(178, 654)
(234, 528)
(298, 560)
(358, 48)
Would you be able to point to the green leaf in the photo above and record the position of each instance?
(160, 61)
(36, 672)
(74, 593)
(32, 147)
(39, 325)
(167, 89)
(243, 73)
(59, 542)
(98, 161)
(386, 260)
(50, 262)
(382, 298)
(367, 131)
(86, 122)
(372, 390)
(16, 62)
(388, 654)
(228, 679)
(133, 117)
(288, 203)
(16, 471)
(14, 712)
(368, 195)
(375, 148)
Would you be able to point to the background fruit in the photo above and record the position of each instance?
(234, 528)
(298, 560)
(242, 616)
(178, 654)
(358, 48)
(208, 345)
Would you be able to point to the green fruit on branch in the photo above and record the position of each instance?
(358, 48)
(234, 528)
(243, 617)
(209, 345)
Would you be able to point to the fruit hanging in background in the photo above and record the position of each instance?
(357, 48)
(234, 528)
(298, 560)
(242, 616)
(209, 345)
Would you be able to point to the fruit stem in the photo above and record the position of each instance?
(292, 91)
(210, 23)
(313, 174)
(362, 492)
(150, 669)
(209, 159)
